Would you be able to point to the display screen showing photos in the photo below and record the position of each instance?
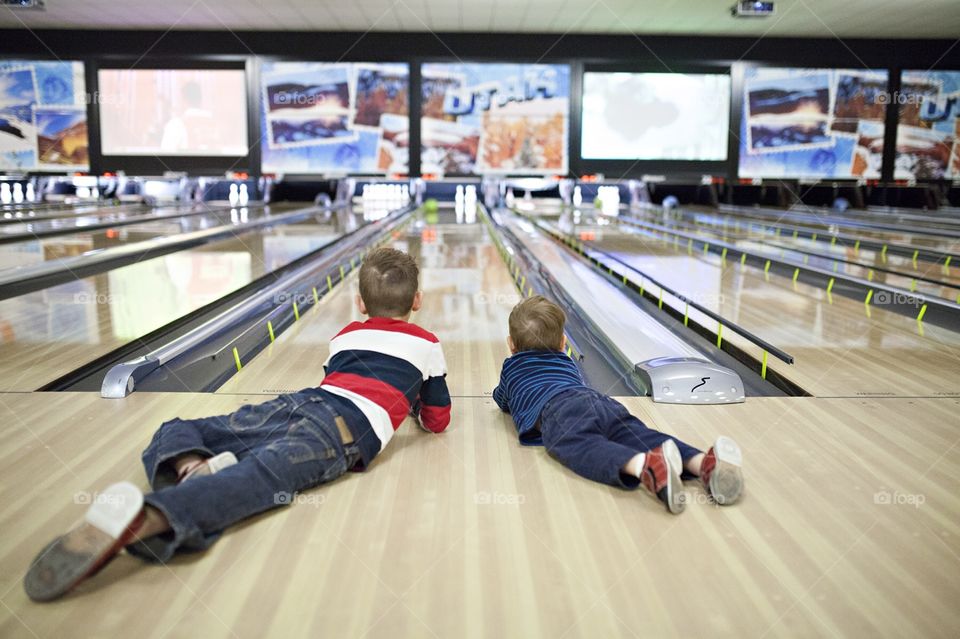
(201, 112)
(43, 116)
(335, 118)
(655, 116)
(813, 123)
(494, 118)
(928, 133)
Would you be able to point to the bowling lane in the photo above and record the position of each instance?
(82, 242)
(932, 239)
(894, 270)
(46, 334)
(120, 215)
(468, 295)
(47, 211)
(842, 348)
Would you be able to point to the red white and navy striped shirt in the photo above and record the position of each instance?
(378, 370)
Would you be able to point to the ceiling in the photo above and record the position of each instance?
(798, 18)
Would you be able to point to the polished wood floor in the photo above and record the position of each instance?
(849, 527)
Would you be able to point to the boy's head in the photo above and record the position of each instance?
(388, 284)
(536, 324)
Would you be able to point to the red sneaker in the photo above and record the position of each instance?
(661, 476)
(111, 522)
(720, 472)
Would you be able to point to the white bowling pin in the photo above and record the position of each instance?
(234, 195)
(244, 196)
(31, 195)
(5, 193)
(17, 192)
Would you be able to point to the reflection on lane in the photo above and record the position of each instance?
(48, 333)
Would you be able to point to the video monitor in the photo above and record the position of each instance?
(812, 123)
(655, 116)
(325, 118)
(173, 112)
(494, 118)
(928, 129)
(43, 116)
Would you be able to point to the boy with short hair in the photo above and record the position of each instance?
(210, 473)
(591, 433)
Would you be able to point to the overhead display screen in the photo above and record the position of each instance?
(494, 118)
(335, 118)
(655, 116)
(812, 123)
(43, 116)
(928, 132)
(173, 112)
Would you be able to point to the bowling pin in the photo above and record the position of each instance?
(244, 197)
(234, 195)
(577, 196)
(17, 193)
(5, 193)
(31, 195)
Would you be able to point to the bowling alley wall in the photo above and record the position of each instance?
(478, 104)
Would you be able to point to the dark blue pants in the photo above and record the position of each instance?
(283, 446)
(594, 436)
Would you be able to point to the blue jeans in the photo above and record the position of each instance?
(594, 436)
(282, 446)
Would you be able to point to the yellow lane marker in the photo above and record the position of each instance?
(883, 254)
(763, 369)
(316, 297)
(870, 275)
(866, 302)
(830, 284)
(329, 283)
(341, 272)
(796, 274)
(690, 247)
(660, 303)
(723, 255)
(856, 247)
(813, 238)
(743, 259)
(915, 255)
(296, 312)
(686, 313)
(719, 334)
(796, 234)
(833, 241)
(523, 281)
(530, 292)
(270, 331)
(923, 311)
(913, 286)
(236, 359)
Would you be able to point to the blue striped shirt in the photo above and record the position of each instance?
(528, 380)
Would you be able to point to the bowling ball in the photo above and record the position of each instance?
(431, 206)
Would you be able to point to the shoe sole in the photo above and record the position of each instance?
(676, 498)
(73, 557)
(726, 482)
(211, 466)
